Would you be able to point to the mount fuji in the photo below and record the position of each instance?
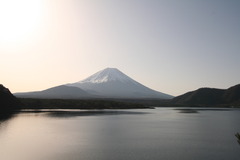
(107, 83)
(112, 83)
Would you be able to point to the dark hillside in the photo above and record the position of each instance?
(8, 102)
(210, 97)
(232, 95)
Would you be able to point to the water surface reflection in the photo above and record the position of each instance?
(63, 113)
(162, 133)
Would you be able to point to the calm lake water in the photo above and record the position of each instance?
(150, 134)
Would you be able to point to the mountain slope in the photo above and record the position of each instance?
(112, 83)
(60, 92)
(108, 83)
(210, 97)
(232, 95)
(7, 101)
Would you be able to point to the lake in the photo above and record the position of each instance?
(144, 134)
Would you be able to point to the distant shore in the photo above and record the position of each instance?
(29, 103)
(32, 103)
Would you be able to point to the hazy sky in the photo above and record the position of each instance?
(172, 46)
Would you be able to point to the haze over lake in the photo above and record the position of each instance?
(162, 133)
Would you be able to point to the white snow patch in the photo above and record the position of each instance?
(107, 75)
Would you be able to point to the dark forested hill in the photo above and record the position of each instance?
(210, 97)
(232, 95)
(8, 102)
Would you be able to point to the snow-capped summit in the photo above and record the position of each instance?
(107, 75)
(112, 83)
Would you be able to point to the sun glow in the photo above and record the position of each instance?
(20, 21)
